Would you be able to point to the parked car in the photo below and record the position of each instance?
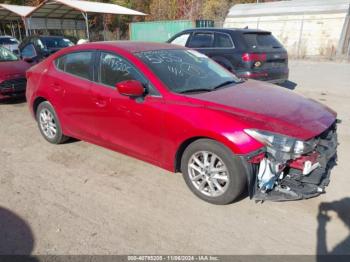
(249, 53)
(37, 48)
(10, 43)
(12, 74)
(178, 109)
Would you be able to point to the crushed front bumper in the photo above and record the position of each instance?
(295, 183)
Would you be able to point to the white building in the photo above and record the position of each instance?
(306, 28)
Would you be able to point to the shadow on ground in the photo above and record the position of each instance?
(13, 101)
(342, 209)
(289, 85)
(16, 237)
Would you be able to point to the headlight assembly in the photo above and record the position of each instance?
(282, 143)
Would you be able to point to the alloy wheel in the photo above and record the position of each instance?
(208, 173)
(48, 123)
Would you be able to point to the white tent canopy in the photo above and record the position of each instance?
(72, 9)
(13, 15)
(14, 12)
(62, 12)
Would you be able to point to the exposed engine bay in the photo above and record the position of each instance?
(290, 169)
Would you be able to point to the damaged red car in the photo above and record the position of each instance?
(179, 110)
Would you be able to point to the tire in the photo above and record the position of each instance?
(46, 128)
(235, 175)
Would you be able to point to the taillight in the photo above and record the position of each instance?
(248, 57)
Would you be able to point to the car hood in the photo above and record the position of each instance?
(268, 107)
(13, 69)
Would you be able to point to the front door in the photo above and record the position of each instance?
(129, 124)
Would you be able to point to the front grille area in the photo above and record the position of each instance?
(13, 86)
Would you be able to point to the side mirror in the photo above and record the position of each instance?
(130, 88)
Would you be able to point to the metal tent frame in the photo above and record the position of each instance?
(78, 11)
(14, 15)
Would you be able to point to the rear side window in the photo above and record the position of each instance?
(59, 62)
(79, 64)
(223, 41)
(262, 40)
(202, 40)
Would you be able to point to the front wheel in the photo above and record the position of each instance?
(212, 172)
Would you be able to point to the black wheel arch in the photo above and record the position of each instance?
(37, 102)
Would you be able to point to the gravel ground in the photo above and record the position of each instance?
(79, 198)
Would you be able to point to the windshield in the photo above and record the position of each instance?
(56, 42)
(6, 55)
(187, 70)
(8, 41)
(262, 40)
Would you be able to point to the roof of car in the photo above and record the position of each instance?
(47, 36)
(51, 36)
(136, 46)
(226, 30)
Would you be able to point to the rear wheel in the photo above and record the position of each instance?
(49, 124)
(212, 172)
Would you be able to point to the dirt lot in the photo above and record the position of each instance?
(78, 198)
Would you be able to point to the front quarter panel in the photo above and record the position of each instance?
(185, 121)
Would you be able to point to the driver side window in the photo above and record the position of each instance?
(114, 69)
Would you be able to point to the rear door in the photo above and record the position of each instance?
(70, 83)
(225, 51)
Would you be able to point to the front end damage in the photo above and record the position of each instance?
(283, 172)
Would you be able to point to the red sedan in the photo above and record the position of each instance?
(12, 74)
(178, 109)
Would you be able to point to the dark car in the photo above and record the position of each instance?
(12, 74)
(177, 109)
(248, 53)
(37, 48)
